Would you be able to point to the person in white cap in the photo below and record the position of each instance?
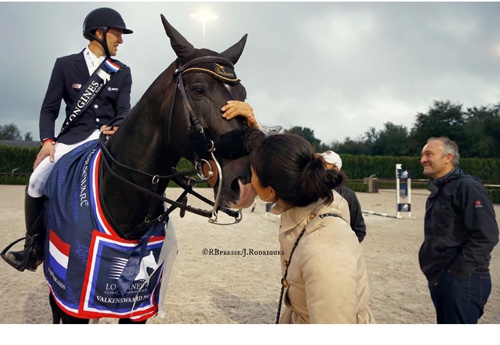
(333, 161)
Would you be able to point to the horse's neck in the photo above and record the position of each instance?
(138, 144)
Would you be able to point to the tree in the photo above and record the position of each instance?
(307, 134)
(370, 138)
(442, 119)
(476, 131)
(391, 141)
(28, 137)
(10, 132)
(481, 132)
(354, 147)
(334, 146)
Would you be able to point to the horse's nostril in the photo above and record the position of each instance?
(235, 187)
(245, 179)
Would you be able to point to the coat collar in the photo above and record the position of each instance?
(452, 175)
(300, 216)
(297, 215)
(437, 183)
(80, 64)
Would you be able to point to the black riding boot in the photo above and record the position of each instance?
(32, 255)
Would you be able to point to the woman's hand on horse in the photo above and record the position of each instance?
(108, 130)
(47, 150)
(238, 108)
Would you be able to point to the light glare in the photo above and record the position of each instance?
(204, 16)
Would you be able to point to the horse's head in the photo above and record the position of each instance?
(206, 80)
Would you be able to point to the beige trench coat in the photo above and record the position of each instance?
(327, 278)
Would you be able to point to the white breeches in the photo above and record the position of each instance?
(41, 174)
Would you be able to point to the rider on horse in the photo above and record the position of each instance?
(103, 28)
(77, 79)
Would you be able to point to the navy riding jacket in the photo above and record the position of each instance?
(69, 75)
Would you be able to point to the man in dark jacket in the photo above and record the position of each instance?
(96, 90)
(460, 233)
(357, 222)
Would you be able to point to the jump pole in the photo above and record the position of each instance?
(382, 214)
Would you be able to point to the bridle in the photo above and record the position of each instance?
(194, 65)
(182, 179)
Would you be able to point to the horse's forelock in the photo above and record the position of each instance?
(235, 144)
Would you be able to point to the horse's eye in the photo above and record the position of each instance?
(197, 90)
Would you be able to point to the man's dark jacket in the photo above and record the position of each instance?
(357, 221)
(460, 228)
(70, 73)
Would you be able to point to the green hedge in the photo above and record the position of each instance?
(17, 157)
(363, 188)
(356, 167)
(358, 186)
(14, 179)
(495, 195)
(384, 167)
(21, 159)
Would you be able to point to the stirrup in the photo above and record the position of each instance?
(19, 266)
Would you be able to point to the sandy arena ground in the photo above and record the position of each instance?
(215, 289)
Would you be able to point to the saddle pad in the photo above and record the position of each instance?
(85, 257)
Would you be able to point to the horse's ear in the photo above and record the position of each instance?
(180, 45)
(233, 54)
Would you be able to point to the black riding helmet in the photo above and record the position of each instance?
(103, 18)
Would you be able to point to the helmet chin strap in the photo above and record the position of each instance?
(103, 42)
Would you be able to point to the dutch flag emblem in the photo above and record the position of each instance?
(58, 255)
(111, 65)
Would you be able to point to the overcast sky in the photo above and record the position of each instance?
(337, 68)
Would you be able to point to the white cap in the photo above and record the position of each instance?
(332, 158)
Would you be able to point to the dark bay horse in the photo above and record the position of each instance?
(116, 268)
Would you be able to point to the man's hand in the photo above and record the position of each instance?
(107, 130)
(47, 150)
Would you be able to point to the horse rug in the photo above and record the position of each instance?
(91, 271)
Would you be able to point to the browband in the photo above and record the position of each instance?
(218, 67)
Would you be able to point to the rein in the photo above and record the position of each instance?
(155, 179)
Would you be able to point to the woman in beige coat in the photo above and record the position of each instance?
(324, 274)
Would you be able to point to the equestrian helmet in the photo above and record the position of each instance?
(103, 18)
